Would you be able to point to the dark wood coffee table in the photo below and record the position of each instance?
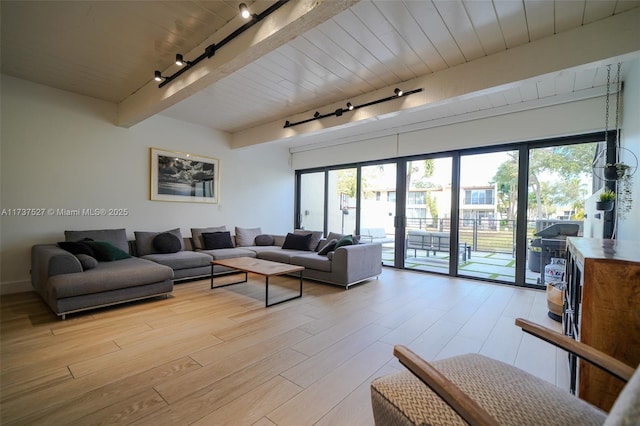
(266, 268)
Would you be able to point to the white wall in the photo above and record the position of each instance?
(577, 117)
(629, 228)
(61, 151)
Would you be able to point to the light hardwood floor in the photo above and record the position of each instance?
(219, 356)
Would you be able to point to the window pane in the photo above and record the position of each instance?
(312, 201)
(342, 206)
(487, 223)
(560, 182)
(378, 207)
(428, 213)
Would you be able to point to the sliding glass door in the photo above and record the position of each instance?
(428, 214)
(561, 179)
(378, 207)
(311, 201)
(488, 215)
(342, 203)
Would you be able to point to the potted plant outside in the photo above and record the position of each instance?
(607, 198)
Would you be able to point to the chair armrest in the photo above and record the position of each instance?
(466, 407)
(587, 353)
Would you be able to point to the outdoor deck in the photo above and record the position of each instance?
(481, 264)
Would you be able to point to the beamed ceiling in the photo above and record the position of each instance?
(471, 57)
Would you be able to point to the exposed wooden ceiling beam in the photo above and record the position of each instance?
(589, 45)
(288, 22)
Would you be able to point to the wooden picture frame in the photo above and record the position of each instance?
(183, 177)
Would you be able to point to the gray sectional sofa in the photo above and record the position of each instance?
(69, 281)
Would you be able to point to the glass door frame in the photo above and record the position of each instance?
(400, 219)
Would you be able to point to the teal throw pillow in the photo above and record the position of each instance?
(347, 240)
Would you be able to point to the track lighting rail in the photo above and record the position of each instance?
(350, 107)
(212, 48)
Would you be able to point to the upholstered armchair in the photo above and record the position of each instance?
(478, 390)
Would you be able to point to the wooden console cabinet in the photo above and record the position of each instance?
(602, 309)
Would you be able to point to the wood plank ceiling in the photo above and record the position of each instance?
(108, 50)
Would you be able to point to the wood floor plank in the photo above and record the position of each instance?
(355, 409)
(201, 403)
(93, 393)
(135, 358)
(175, 390)
(322, 363)
(261, 400)
(311, 404)
(220, 357)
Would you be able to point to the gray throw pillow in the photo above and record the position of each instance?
(87, 261)
(330, 246)
(265, 240)
(247, 236)
(167, 242)
(331, 236)
(145, 241)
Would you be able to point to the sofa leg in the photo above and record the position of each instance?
(63, 316)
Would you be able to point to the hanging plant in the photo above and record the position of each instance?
(606, 202)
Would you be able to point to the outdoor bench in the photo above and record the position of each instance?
(435, 242)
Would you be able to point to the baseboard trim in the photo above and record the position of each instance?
(11, 287)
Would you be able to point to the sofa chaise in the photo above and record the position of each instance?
(71, 283)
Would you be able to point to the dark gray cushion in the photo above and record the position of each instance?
(167, 242)
(144, 241)
(107, 252)
(230, 253)
(77, 247)
(196, 235)
(312, 261)
(87, 262)
(330, 246)
(297, 241)
(107, 276)
(316, 236)
(117, 237)
(331, 236)
(183, 259)
(264, 240)
(217, 240)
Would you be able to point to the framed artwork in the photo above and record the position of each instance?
(178, 176)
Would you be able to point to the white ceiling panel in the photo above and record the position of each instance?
(109, 50)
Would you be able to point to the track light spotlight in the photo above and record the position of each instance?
(244, 11)
(287, 124)
(158, 76)
(339, 112)
(316, 114)
(210, 50)
(349, 106)
(398, 92)
(179, 60)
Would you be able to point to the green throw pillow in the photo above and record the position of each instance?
(107, 252)
(347, 240)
